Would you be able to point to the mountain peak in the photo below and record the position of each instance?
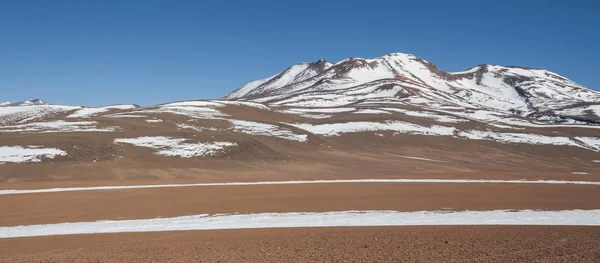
(35, 101)
(398, 54)
(25, 103)
(406, 77)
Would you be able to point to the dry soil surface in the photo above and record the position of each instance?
(46, 208)
(366, 244)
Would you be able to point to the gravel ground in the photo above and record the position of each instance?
(368, 244)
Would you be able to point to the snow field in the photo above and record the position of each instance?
(89, 112)
(387, 181)
(20, 154)
(177, 147)
(312, 219)
(257, 128)
(57, 126)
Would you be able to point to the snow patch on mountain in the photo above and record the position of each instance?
(194, 103)
(124, 115)
(398, 127)
(581, 111)
(20, 154)
(177, 147)
(526, 138)
(294, 74)
(263, 129)
(183, 126)
(370, 111)
(520, 91)
(89, 112)
(336, 129)
(23, 114)
(245, 104)
(25, 103)
(427, 114)
(192, 109)
(593, 142)
(57, 126)
(321, 110)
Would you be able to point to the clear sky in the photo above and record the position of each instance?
(148, 52)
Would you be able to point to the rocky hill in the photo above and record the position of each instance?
(393, 114)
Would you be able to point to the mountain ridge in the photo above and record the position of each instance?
(353, 114)
(523, 90)
(23, 103)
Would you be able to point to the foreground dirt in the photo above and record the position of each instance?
(368, 244)
(290, 173)
(94, 157)
(45, 208)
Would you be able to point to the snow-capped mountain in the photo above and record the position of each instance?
(396, 105)
(25, 103)
(290, 76)
(408, 79)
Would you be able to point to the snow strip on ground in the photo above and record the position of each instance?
(387, 181)
(399, 127)
(315, 116)
(335, 129)
(426, 114)
(89, 112)
(183, 126)
(527, 138)
(591, 141)
(19, 154)
(168, 146)
(312, 219)
(321, 110)
(23, 114)
(120, 115)
(257, 128)
(195, 103)
(415, 158)
(57, 126)
(192, 109)
(244, 103)
(307, 115)
(370, 111)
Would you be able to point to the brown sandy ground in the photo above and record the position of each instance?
(45, 208)
(95, 157)
(365, 244)
(183, 175)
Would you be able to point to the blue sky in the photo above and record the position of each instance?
(148, 52)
